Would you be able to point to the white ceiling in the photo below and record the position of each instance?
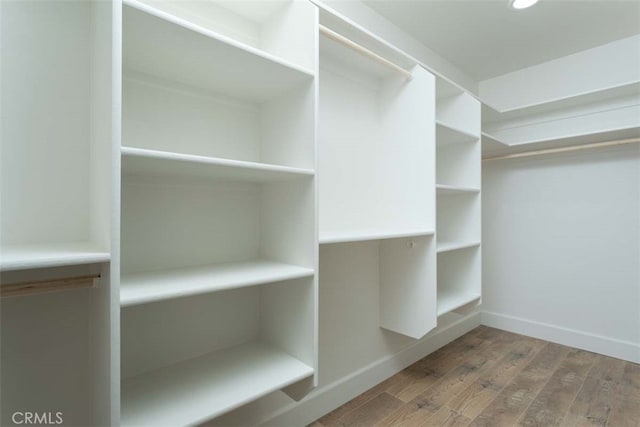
(486, 38)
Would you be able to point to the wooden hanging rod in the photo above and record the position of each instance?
(46, 286)
(564, 149)
(364, 51)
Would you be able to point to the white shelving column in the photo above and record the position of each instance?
(458, 154)
(377, 180)
(59, 123)
(219, 225)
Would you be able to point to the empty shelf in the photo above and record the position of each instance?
(447, 134)
(140, 161)
(363, 235)
(22, 257)
(452, 246)
(167, 47)
(450, 300)
(197, 390)
(442, 189)
(143, 288)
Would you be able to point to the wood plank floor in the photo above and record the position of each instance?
(493, 378)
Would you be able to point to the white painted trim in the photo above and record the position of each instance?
(620, 349)
(327, 398)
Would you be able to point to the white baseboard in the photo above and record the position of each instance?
(331, 396)
(596, 343)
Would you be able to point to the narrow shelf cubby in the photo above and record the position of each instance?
(375, 150)
(458, 220)
(458, 202)
(188, 360)
(459, 279)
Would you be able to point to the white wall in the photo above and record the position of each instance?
(561, 238)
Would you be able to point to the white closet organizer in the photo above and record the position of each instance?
(55, 226)
(219, 236)
(377, 177)
(458, 162)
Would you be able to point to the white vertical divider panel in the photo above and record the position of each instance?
(290, 313)
(408, 285)
(105, 175)
(407, 266)
(292, 18)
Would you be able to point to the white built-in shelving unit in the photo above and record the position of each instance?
(219, 237)
(377, 181)
(458, 154)
(191, 160)
(56, 182)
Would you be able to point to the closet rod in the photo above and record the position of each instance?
(45, 286)
(564, 149)
(364, 51)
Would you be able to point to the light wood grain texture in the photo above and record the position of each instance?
(45, 286)
(593, 404)
(626, 407)
(494, 378)
(552, 403)
(367, 414)
(472, 401)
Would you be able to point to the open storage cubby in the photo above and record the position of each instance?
(459, 279)
(458, 219)
(56, 134)
(375, 148)
(210, 98)
(189, 236)
(405, 276)
(188, 360)
(56, 152)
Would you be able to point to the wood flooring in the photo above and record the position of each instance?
(493, 378)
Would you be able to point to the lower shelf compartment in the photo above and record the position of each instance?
(159, 285)
(449, 300)
(200, 389)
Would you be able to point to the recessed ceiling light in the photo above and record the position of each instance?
(522, 4)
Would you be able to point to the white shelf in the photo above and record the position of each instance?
(448, 134)
(442, 189)
(453, 246)
(453, 299)
(142, 161)
(363, 235)
(143, 288)
(22, 257)
(197, 390)
(165, 46)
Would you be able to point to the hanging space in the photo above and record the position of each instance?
(377, 184)
(56, 202)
